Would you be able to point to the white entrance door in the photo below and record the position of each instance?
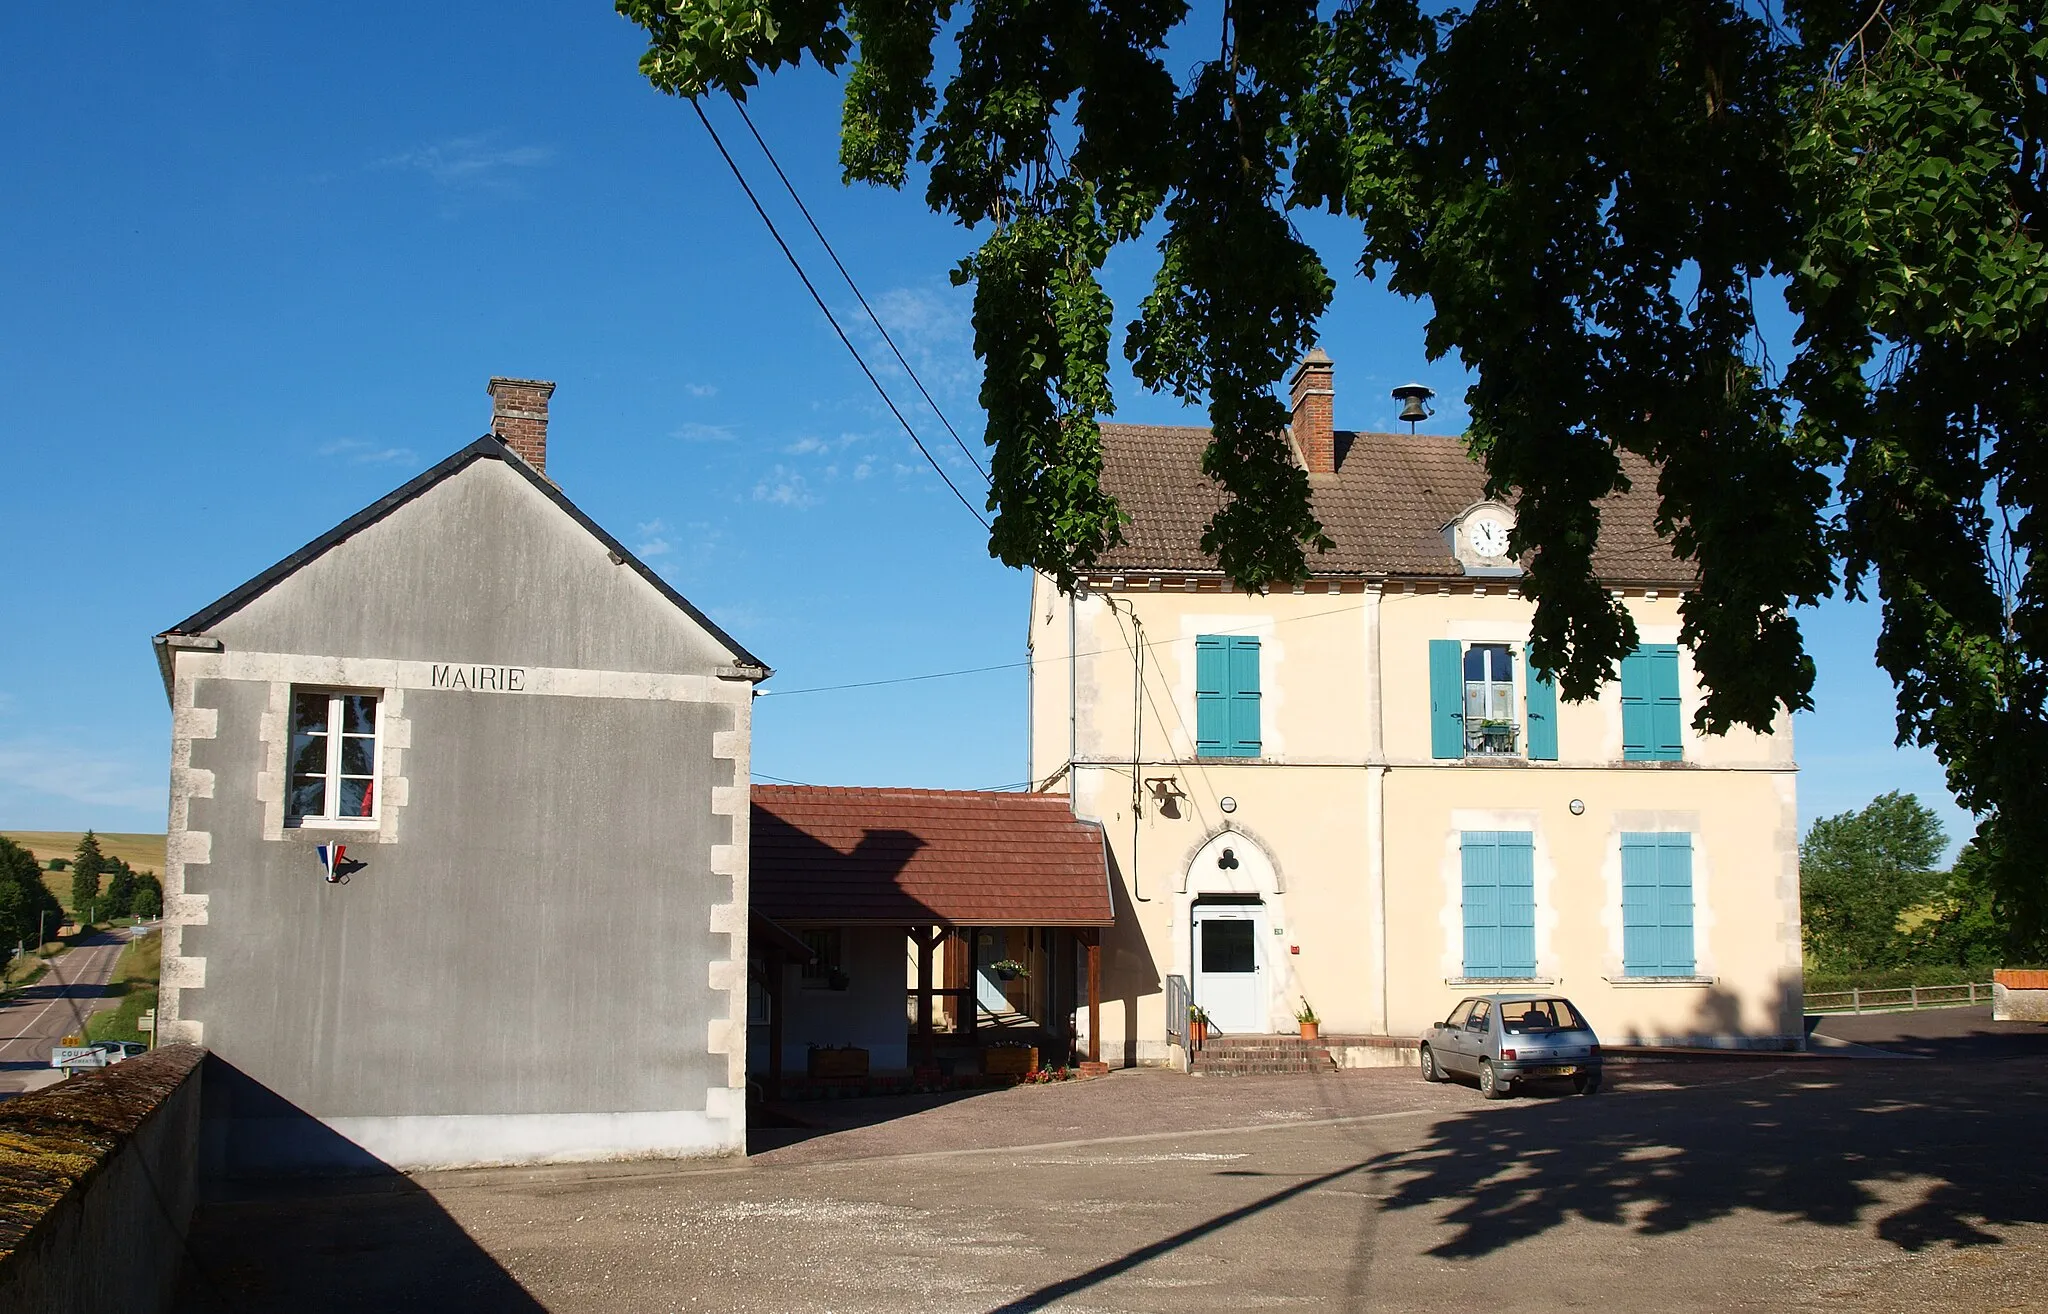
(1230, 983)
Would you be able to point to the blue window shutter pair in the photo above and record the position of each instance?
(1226, 695)
(1542, 701)
(1656, 904)
(1500, 902)
(1446, 698)
(1651, 722)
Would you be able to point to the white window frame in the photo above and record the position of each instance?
(328, 819)
(1518, 701)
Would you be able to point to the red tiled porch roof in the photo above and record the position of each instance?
(903, 857)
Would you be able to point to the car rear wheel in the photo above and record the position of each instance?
(1430, 1070)
(1586, 1083)
(1491, 1084)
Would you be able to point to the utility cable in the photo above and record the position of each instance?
(830, 318)
(1018, 666)
(873, 318)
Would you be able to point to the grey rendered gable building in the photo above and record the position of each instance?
(533, 753)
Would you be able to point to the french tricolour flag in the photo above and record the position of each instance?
(332, 856)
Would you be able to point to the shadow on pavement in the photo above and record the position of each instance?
(1808, 1143)
(1958, 1034)
(351, 1234)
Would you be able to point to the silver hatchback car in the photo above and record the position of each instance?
(1505, 1040)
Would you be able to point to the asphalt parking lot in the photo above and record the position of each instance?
(1783, 1183)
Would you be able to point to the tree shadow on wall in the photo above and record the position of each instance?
(1833, 1142)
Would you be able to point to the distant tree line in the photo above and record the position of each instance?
(27, 908)
(127, 893)
(1873, 895)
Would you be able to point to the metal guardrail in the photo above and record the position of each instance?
(1177, 1001)
(1895, 999)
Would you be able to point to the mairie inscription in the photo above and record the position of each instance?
(489, 679)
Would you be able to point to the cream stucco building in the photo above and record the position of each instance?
(1356, 792)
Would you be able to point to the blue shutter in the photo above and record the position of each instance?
(1243, 653)
(1652, 728)
(1666, 720)
(1212, 696)
(1499, 868)
(1446, 698)
(1542, 700)
(1656, 904)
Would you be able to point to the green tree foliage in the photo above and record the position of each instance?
(88, 864)
(1859, 873)
(149, 897)
(1964, 928)
(120, 891)
(1588, 194)
(26, 905)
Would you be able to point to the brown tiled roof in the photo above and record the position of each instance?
(904, 857)
(1386, 506)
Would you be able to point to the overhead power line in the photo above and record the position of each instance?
(873, 318)
(1018, 666)
(830, 318)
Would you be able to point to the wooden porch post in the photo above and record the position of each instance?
(970, 1003)
(1095, 994)
(927, 939)
(774, 1022)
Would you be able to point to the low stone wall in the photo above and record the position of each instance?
(97, 1179)
(2019, 996)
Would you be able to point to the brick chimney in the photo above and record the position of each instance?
(519, 417)
(1314, 426)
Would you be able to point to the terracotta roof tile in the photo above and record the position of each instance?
(918, 856)
(1386, 506)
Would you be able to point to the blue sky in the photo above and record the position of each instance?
(261, 260)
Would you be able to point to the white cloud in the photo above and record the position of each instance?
(805, 446)
(471, 161)
(68, 772)
(358, 452)
(701, 389)
(784, 487)
(654, 547)
(863, 470)
(694, 432)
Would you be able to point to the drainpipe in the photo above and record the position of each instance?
(1137, 740)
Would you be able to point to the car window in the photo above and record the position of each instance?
(1457, 1017)
(1477, 1022)
(1533, 1015)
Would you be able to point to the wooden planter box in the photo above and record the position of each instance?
(1009, 1061)
(838, 1063)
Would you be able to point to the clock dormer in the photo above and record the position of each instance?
(1478, 538)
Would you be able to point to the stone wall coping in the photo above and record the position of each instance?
(2019, 978)
(53, 1141)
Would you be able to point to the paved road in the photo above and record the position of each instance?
(1876, 1184)
(33, 1022)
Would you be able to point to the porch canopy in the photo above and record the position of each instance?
(930, 861)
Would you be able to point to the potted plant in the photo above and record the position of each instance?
(836, 1063)
(1009, 969)
(1198, 1027)
(1311, 1025)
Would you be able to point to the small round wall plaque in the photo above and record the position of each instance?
(1227, 803)
(1578, 807)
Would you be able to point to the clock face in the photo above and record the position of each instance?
(1489, 538)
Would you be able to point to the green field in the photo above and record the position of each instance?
(142, 852)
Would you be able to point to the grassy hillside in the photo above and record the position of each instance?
(142, 852)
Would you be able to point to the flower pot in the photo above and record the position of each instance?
(1311, 1031)
(1198, 1034)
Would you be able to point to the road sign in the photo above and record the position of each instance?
(147, 1022)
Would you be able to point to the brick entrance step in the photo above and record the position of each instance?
(1235, 1056)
